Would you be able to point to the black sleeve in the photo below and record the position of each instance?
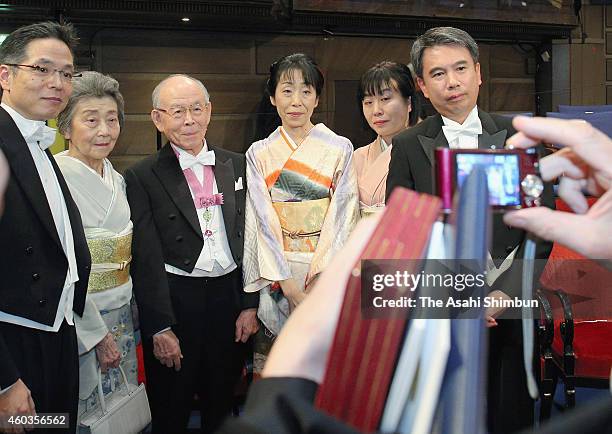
(283, 406)
(8, 371)
(250, 300)
(147, 266)
(399, 168)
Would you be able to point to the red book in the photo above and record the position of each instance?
(364, 352)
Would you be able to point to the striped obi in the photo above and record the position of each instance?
(110, 259)
(301, 223)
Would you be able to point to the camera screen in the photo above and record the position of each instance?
(502, 175)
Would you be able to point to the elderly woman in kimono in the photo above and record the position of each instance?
(91, 123)
(387, 95)
(302, 200)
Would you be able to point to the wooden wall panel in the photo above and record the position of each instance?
(593, 17)
(507, 61)
(485, 75)
(587, 74)
(576, 74)
(231, 132)
(350, 57)
(323, 117)
(512, 96)
(592, 24)
(169, 60)
(608, 94)
(138, 137)
(609, 69)
(561, 67)
(170, 38)
(270, 51)
(348, 117)
(235, 94)
(136, 89)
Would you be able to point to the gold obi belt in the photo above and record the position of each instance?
(301, 223)
(110, 259)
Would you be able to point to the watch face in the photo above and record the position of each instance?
(532, 185)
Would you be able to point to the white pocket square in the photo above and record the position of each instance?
(238, 184)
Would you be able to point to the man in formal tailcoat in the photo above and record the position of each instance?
(446, 64)
(44, 260)
(187, 203)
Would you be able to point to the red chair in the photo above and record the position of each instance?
(576, 324)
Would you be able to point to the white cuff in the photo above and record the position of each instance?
(163, 331)
(7, 389)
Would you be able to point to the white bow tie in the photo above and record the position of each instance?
(43, 135)
(187, 160)
(453, 131)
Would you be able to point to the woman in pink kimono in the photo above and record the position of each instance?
(387, 96)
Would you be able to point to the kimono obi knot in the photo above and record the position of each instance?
(110, 262)
(301, 223)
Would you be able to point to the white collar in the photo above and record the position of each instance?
(26, 127)
(180, 151)
(471, 118)
(383, 145)
(107, 167)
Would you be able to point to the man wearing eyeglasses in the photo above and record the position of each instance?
(44, 259)
(187, 203)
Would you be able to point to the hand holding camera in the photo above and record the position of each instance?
(512, 175)
(586, 162)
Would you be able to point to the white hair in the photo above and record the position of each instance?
(157, 90)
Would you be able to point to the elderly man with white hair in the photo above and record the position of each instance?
(187, 202)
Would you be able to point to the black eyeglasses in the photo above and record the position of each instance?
(45, 72)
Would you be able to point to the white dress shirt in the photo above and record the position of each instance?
(216, 258)
(29, 129)
(465, 135)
